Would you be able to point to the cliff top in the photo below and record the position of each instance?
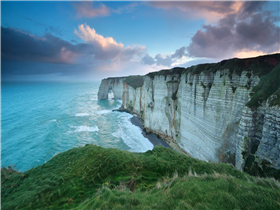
(92, 177)
(115, 78)
(259, 66)
(266, 67)
(134, 81)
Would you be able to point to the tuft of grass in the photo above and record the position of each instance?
(93, 177)
(134, 81)
(216, 191)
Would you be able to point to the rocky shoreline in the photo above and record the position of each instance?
(153, 138)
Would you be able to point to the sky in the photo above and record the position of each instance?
(88, 41)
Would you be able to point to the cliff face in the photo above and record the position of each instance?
(203, 110)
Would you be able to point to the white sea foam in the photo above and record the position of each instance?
(81, 114)
(132, 135)
(103, 112)
(118, 133)
(119, 104)
(93, 99)
(54, 120)
(84, 128)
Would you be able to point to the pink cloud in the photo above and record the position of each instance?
(86, 9)
(89, 35)
(208, 10)
(246, 53)
(105, 48)
(67, 56)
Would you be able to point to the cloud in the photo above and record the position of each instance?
(218, 6)
(94, 9)
(105, 48)
(249, 53)
(247, 30)
(21, 46)
(147, 59)
(196, 61)
(125, 8)
(209, 10)
(86, 9)
(22, 53)
(18, 45)
(179, 53)
(167, 60)
(248, 8)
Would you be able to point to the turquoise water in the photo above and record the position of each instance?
(40, 120)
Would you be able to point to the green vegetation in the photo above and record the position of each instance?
(134, 81)
(253, 165)
(268, 85)
(263, 169)
(166, 72)
(276, 98)
(92, 177)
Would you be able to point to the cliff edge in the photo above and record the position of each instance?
(222, 112)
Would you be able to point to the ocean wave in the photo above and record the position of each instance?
(54, 120)
(81, 114)
(132, 135)
(103, 112)
(84, 128)
(118, 133)
(119, 104)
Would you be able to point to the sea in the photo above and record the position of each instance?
(40, 120)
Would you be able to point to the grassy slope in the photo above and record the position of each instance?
(92, 177)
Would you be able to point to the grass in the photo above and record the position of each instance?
(269, 85)
(134, 81)
(92, 177)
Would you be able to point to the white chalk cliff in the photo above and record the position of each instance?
(204, 111)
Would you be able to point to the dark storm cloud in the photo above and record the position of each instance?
(248, 29)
